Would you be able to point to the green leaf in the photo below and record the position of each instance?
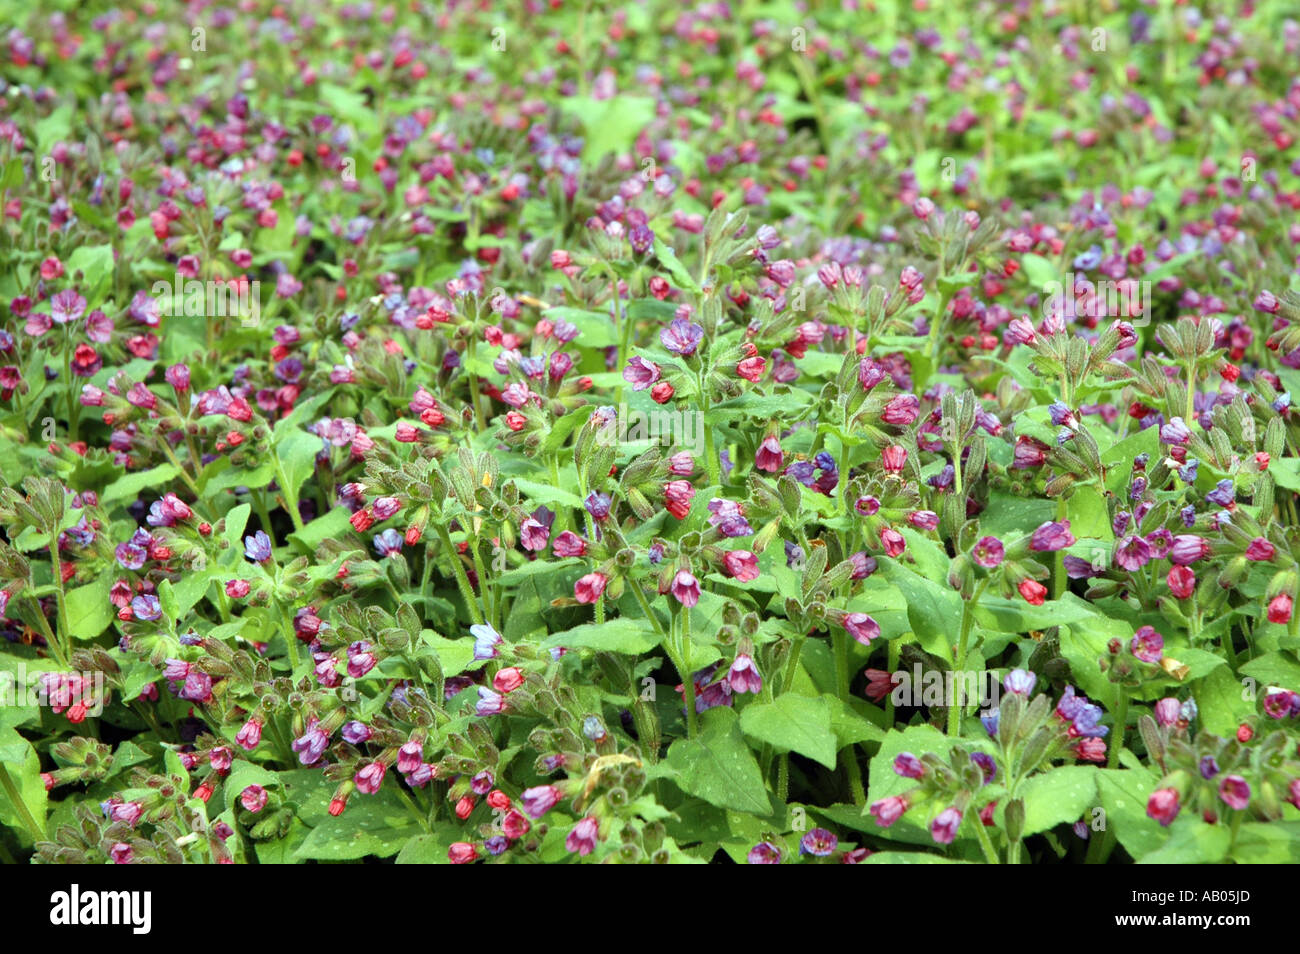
(24, 768)
(1039, 271)
(718, 765)
(610, 125)
(623, 635)
(1274, 669)
(1062, 794)
(1220, 703)
(668, 258)
(376, 828)
(793, 723)
(89, 609)
(297, 452)
(597, 327)
(1123, 796)
(1191, 842)
(933, 609)
(129, 486)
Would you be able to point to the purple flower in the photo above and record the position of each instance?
(311, 745)
(489, 702)
(539, 800)
(681, 337)
(641, 373)
(987, 766)
(597, 505)
(944, 827)
(146, 607)
(1132, 553)
(819, 843)
(486, 641)
(862, 627)
(908, 765)
(356, 733)
(988, 552)
(67, 306)
(1235, 792)
(1147, 645)
(764, 853)
(1051, 536)
(1019, 682)
(1175, 432)
(388, 543)
(1224, 493)
(257, 547)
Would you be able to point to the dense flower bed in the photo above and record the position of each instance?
(659, 433)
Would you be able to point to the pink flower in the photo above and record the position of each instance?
(582, 837)
(892, 458)
(743, 676)
(1235, 792)
(944, 827)
(1163, 805)
(370, 777)
(769, 456)
(741, 564)
(253, 798)
(862, 627)
(590, 587)
(568, 544)
(685, 588)
(751, 369)
(534, 534)
(889, 810)
(1260, 550)
(892, 541)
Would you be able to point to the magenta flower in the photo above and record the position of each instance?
(1163, 805)
(1147, 645)
(682, 337)
(944, 827)
(862, 627)
(685, 588)
(1051, 536)
(66, 306)
(988, 552)
(641, 373)
(582, 837)
(1260, 550)
(741, 564)
(1235, 792)
(743, 676)
(590, 587)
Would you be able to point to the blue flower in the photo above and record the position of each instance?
(258, 547)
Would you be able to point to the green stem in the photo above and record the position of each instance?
(1117, 736)
(462, 581)
(290, 499)
(990, 853)
(50, 639)
(16, 799)
(967, 621)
